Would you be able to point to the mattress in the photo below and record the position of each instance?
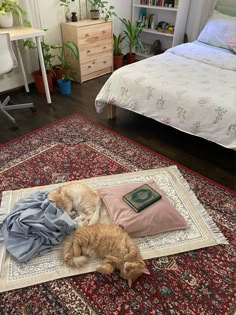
(190, 87)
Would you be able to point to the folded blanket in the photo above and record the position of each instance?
(34, 227)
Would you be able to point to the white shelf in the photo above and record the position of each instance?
(176, 16)
(155, 7)
(148, 30)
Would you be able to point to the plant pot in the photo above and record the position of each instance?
(118, 61)
(130, 58)
(6, 20)
(56, 74)
(65, 86)
(94, 14)
(38, 79)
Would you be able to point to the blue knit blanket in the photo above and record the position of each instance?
(34, 227)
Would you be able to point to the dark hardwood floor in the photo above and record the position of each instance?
(206, 158)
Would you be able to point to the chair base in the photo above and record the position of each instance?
(4, 107)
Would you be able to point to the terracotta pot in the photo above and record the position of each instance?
(130, 58)
(118, 61)
(94, 14)
(38, 79)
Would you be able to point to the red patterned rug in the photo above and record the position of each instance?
(195, 282)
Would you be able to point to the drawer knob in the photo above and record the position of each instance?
(87, 35)
(104, 47)
(89, 67)
(88, 51)
(103, 32)
(104, 62)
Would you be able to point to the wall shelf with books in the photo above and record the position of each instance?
(155, 7)
(163, 20)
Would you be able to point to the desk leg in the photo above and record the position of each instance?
(42, 65)
(21, 66)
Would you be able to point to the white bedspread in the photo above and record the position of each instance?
(189, 87)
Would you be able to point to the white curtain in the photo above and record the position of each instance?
(199, 13)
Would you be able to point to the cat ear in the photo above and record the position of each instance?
(146, 271)
(129, 283)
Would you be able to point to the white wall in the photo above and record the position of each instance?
(49, 15)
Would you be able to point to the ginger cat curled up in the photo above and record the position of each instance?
(109, 242)
(79, 198)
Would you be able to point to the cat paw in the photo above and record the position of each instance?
(105, 269)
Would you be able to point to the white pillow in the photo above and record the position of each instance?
(219, 29)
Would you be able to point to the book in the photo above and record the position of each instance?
(141, 197)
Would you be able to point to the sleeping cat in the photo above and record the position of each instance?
(79, 198)
(109, 242)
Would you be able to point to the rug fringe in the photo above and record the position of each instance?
(217, 234)
(5, 204)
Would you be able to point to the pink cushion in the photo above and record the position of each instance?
(232, 44)
(157, 218)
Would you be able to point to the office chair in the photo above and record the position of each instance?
(7, 64)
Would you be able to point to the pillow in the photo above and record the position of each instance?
(232, 44)
(229, 10)
(159, 217)
(219, 29)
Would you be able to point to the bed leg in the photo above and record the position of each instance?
(111, 111)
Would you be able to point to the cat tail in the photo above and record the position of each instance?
(71, 252)
(78, 261)
(95, 217)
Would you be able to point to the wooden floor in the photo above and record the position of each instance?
(206, 158)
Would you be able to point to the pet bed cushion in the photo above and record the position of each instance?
(219, 29)
(157, 218)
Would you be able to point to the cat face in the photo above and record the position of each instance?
(132, 271)
(57, 196)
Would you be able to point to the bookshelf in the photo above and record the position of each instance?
(151, 12)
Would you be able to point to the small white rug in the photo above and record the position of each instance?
(202, 231)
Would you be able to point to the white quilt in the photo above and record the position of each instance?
(189, 87)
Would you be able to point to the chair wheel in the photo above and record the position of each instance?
(33, 109)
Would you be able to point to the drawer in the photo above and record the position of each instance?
(96, 49)
(96, 64)
(93, 33)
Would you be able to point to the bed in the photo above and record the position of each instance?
(191, 87)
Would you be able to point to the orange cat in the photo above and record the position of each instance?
(79, 198)
(109, 242)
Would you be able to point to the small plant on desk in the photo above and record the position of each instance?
(10, 8)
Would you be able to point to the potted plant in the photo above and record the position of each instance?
(8, 9)
(66, 4)
(99, 9)
(37, 75)
(117, 53)
(67, 75)
(132, 34)
(48, 58)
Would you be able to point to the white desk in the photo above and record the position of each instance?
(21, 32)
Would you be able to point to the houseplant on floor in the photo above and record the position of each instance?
(10, 8)
(48, 58)
(67, 75)
(99, 9)
(132, 34)
(117, 52)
